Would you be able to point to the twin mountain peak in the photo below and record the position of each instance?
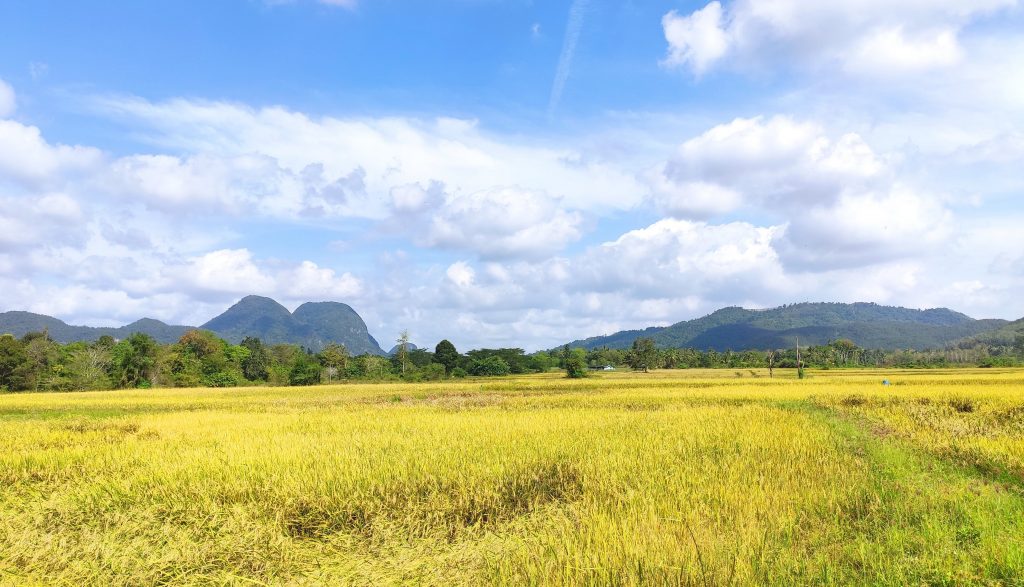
(315, 324)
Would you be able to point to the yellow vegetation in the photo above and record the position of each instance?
(695, 477)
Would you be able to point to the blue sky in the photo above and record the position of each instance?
(418, 161)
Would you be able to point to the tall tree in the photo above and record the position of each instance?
(446, 354)
(42, 353)
(402, 353)
(256, 366)
(576, 364)
(88, 367)
(643, 355)
(334, 358)
(305, 370)
(770, 359)
(14, 364)
(134, 360)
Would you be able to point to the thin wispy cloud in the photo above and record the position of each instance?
(572, 36)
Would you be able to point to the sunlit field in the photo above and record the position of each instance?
(682, 477)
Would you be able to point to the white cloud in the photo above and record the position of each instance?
(27, 158)
(388, 153)
(224, 271)
(773, 162)
(864, 229)
(889, 51)
(842, 203)
(461, 274)
(308, 281)
(872, 37)
(696, 41)
(47, 219)
(501, 223)
(692, 199)
(764, 210)
(676, 258)
(8, 102)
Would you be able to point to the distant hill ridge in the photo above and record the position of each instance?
(867, 324)
(313, 325)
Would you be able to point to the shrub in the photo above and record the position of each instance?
(490, 366)
(575, 368)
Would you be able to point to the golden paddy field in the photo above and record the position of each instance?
(676, 477)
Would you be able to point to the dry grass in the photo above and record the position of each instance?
(700, 477)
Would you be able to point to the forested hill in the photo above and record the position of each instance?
(1007, 334)
(869, 325)
(312, 325)
(21, 323)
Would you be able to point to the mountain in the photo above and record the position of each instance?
(21, 323)
(868, 325)
(260, 317)
(1002, 336)
(312, 325)
(336, 322)
(394, 349)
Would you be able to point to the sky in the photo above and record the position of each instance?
(509, 172)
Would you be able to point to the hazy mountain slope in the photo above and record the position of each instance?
(1006, 334)
(260, 317)
(336, 322)
(394, 349)
(868, 325)
(313, 325)
(21, 323)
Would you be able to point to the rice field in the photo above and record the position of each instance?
(675, 478)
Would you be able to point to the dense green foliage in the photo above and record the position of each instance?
(869, 325)
(446, 354)
(202, 359)
(841, 353)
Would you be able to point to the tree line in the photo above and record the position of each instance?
(843, 353)
(35, 362)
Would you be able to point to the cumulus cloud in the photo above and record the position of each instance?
(389, 152)
(776, 161)
(864, 229)
(696, 41)
(44, 220)
(506, 222)
(760, 211)
(869, 37)
(28, 159)
(842, 203)
(676, 258)
(501, 223)
(890, 51)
